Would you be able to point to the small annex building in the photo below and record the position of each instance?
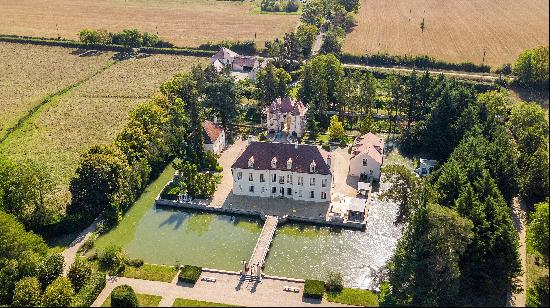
(283, 170)
(367, 157)
(214, 137)
(236, 62)
(286, 115)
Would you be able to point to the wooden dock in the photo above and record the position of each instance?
(259, 254)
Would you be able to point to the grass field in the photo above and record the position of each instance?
(356, 297)
(91, 113)
(182, 22)
(144, 300)
(182, 302)
(151, 272)
(29, 73)
(455, 31)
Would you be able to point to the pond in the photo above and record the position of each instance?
(301, 251)
(169, 236)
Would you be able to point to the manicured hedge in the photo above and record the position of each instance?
(124, 296)
(413, 61)
(90, 291)
(314, 289)
(247, 47)
(190, 274)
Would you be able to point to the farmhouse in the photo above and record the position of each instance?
(214, 137)
(294, 171)
(286, 115)
(237, 63)
(367, 156)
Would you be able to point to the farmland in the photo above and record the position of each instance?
(91, 113)
(182, 22)
(29, 73)
(455, 31)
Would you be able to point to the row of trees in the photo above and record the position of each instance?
(279, 6)
(296, 46)
(132, 38)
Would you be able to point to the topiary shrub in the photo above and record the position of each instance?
(124, 296)
(79, 273)
(50, 269)
(135, 262)
(27, 293)
(190, 274)
(90, 291)
(314, 289)
(58, 294)
(112, 259)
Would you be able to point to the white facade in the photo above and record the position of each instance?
(367, 157)
(365, 164)
(218, 145)
(286, 184)
(286, 115)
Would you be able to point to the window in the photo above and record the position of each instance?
(263, 190)
(274, 178)
(324, 182)
(312, 194)
(300, 193)
(240, 187)
(312, 181)
(289, 178)
(251, 189)
(289, 191)
(239, 175)
(273, 190)
(365, 162)
(323, 195)
(262, 179)
(250, 177)
(301, 180)
(281, 179)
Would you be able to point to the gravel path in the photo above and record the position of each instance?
(227, 289)
(70, 253)
(520, 223)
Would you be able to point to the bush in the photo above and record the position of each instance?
(531, 68)
(58, 294)
(112, 259)
(135, 262)
(27, 293)
(190, 274)
(124, 296)
(325, 146)
(247, 47)
(314, 289)
(291, 6)
(79, 273)
(90, 291)
(335, 282)
(50, 269)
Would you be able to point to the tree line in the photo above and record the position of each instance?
(131, 38)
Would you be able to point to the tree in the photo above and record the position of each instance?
(90, 36)
(16, 242)
(79, 273)
(313, 13)
(331, 43)
(58, 294)
(403, 184)
(425, 268)
(112, 258)
(292, 51)
(537, 230)
(306, 35)
(350, 5)
(272, 83)
(50, 269)
(221, 94)
(336, 130)
(124, 296)
(27, 293)
(531, 68)
(128, 37)
(334, 282)
(396, 90)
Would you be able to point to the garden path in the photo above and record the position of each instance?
(70, 253)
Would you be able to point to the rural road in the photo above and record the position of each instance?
(520, 224)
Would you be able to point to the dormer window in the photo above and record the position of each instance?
(312, 167)
(274, 162)
(289, 164)
(251, 162)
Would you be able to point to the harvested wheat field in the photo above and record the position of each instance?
(29, 73)
(182, 22)
(92, 113)
(455, 31)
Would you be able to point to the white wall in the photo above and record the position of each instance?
(264, 189)
(275, 121)
(356, 167)
(218, 146)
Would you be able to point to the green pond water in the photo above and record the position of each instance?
(167, 236)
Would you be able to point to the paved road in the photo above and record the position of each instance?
(227, 289)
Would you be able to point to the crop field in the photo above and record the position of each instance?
(29, 73)
(91, 113)
(455, 31)
(182, 22)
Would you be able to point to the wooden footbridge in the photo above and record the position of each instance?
(253, 269)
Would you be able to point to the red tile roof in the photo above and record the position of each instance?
(302, 156)
(244, 61)
(287, 105)
(212, 131)
(224, 53)
(369, 144)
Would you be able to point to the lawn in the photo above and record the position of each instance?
(151, 272)
(182, 22)
(92, 113)
(125, 230)
(30, 73)
(455, 31)
(181, 302)
(144, 300)
(354, 297)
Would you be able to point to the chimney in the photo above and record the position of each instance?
(215, 120)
